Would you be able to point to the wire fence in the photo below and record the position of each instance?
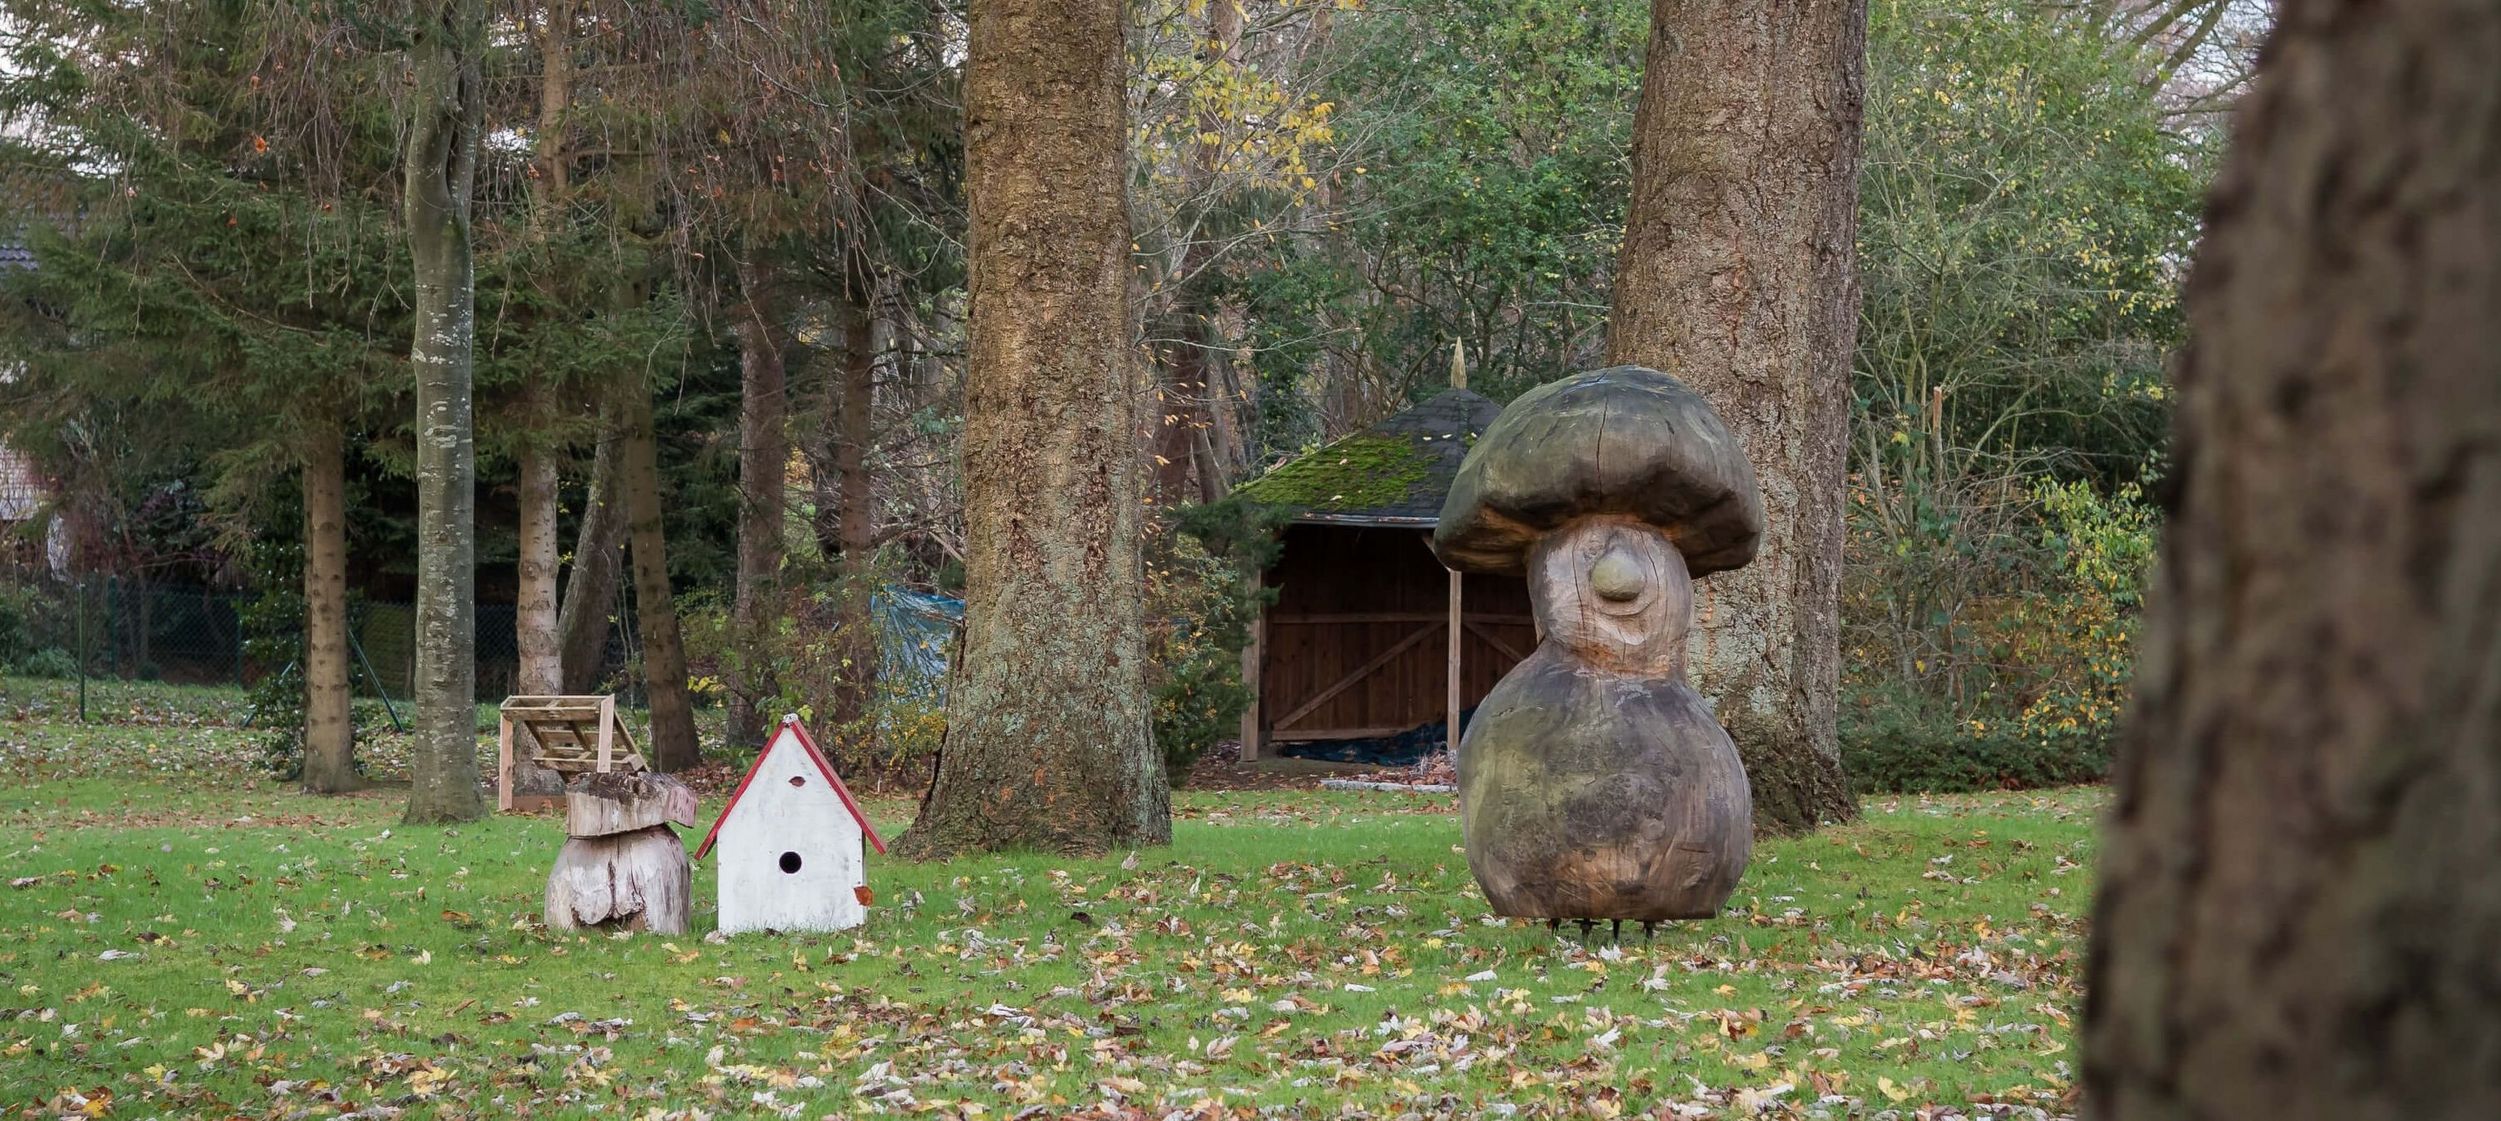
(112, 627)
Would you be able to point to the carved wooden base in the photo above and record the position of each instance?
(1595, 795)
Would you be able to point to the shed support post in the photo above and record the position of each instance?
(1458, 634)
(1252, 653)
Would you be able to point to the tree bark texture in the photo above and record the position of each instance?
(1738, 277)
(763, 461)
(2298, 915)
(856, 525)
(590, 595)
(441, 157)
(639, 881)
(534, 611)
(673, 746)
(1047, 741)
(329, 732)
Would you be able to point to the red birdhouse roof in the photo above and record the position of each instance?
(808, 743)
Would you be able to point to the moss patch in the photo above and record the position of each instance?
(1359, 472)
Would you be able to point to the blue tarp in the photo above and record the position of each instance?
(916, 639)
(1406, 749)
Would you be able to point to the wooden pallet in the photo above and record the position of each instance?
(569, 735)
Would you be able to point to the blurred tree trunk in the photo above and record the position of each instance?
(442, 150)
(598, 557)
(673, 746)
(2298, 914)
(329, 731)
(534, 610)
(1047, 738)
(1738, 276)
(763, 466)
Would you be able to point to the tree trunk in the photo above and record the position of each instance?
(639, 881)
(442, 163)
(1047, 744)
(2298, 914)
(763, 460)
(856, 525)
(673, 746)
(329, 732)
(598, 558)
(534, 610)
(1737, 277)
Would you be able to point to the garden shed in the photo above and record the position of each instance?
(1370, 636)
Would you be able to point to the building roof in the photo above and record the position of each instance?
(800, 737)
(1395, 473)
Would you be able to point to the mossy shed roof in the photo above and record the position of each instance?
(1396, 472)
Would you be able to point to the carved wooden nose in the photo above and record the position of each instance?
(1616, 577)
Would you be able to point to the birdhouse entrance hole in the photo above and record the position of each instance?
(790, 862)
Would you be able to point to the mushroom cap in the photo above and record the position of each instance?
(1623, 440)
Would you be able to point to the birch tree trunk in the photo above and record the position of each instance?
(673, 746)
(598, 561)
(763, 462)
(442, 151)
(329, 732)
(2298, 915)
(1047, 743)
(1738, 276)
(534, 611)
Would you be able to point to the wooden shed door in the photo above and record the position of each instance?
(1357, 644)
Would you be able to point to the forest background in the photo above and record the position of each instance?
(709, 231)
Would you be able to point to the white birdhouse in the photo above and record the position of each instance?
(790, 841)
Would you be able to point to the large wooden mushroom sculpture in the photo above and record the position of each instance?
(1593, 781)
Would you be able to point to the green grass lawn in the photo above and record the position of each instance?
(181, 937)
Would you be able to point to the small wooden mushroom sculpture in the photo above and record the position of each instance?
(1593, 781)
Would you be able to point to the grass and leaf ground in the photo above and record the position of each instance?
(183, 936)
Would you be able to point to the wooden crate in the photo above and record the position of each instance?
(568, 735)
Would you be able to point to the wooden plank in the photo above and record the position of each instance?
(551, 711)
(1325, 618)
(503, 764)
(633, 750)
(1496, 641)
(1361, 672)
(1251, 654)
(1450, 679)
(607, 726)
(555, 737)
(1341, 734)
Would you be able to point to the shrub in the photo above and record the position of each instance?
(51, 661)
(1899, 743)
(1199, 608)
(34, 621)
